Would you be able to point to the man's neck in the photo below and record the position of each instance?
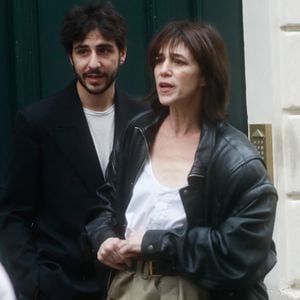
(98, 102)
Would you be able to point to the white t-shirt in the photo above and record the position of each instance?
(6, 289)
(102, 128)
(154, 206)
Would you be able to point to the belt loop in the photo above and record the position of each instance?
(150, 267)
(145, 268)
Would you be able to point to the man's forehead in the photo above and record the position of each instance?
(96, 36)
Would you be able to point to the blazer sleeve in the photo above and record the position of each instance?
(17, 209)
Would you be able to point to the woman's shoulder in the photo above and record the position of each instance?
(233, 152)
(234, 142)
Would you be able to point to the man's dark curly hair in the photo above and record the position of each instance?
(80, 20)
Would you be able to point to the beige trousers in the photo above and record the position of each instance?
(135, 286)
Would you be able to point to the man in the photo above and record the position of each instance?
(61, 148)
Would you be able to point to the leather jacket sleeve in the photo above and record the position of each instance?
(233, 252)
(107, 219)
(102, 219)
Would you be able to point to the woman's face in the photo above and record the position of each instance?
(178, 77)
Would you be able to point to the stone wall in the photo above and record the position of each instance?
(272, 64)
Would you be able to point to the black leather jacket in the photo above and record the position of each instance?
(229, 203)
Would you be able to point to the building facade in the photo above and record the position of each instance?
(272, 67)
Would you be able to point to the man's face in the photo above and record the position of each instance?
(96, 62)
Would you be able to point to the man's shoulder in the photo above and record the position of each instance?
(49, 104)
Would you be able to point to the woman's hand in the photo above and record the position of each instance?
(133, 245)
(117, 253)
(109, 254)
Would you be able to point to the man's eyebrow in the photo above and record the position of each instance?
(80, 46)
(102, 45)
(105, 45)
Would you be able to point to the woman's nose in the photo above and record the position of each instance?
(166, 68)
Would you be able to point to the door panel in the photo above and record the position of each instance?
(227, 18)
(7, 87)
(134, 73)
(55, 67)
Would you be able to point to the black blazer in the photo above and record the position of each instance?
(51, 185)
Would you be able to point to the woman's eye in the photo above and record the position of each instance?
(179, 62)
(158, 60)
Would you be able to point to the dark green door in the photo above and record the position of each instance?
(34, 64)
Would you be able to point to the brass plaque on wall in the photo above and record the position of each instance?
(261, 138)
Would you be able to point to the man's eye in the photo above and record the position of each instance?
(104, 51)
(82, 52)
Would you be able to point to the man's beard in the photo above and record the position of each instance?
(110, 79)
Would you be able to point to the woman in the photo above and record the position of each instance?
(188, 210)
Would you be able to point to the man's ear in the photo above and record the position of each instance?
(71, 60)
(123, 54)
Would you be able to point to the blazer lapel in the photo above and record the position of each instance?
(70, 131)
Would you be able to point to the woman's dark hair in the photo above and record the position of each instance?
(208, 49)
(80, 20)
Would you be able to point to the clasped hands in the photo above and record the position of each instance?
(117, 253)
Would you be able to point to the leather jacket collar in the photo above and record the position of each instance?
(150, 124)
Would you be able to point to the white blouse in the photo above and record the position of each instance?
(153, 205)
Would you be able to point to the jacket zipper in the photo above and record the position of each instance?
(144, 161)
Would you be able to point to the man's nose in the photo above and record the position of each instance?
(94, 61)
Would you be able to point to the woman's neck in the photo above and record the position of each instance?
(183, 122)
